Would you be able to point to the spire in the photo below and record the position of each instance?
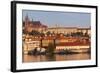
(26, 20)
(32, 19)
(26, 17)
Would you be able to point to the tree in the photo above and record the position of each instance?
(48, 33)
(50, 49)
(79, 34)
(24, 31)
(42, 34)
(34, 32)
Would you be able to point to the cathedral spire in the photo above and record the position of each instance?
(32, 19)
(26, 17)
(26, 20)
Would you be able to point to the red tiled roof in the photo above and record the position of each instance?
(48, 38)
(74, 44)
(67, 38)
(59, 38)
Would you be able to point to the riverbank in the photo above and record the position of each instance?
(58, 52)
(56, 57)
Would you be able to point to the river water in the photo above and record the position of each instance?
(44, 58)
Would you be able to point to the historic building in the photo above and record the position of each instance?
(64, 30)
(29, 26)
(77, 47)
(69, 30)
(84, 30)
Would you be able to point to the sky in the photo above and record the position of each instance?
(60, 19)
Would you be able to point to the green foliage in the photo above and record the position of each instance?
(48, 33)
(34, 33)
(24, 31)
(50, 48)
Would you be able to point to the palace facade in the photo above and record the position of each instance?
(69, 30)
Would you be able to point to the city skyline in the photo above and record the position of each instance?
(61, 19)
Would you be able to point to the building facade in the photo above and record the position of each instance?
(69, 30)
(30, 26)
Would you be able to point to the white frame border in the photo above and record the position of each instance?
(38, 65)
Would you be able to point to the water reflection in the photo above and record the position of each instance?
(43, 58)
